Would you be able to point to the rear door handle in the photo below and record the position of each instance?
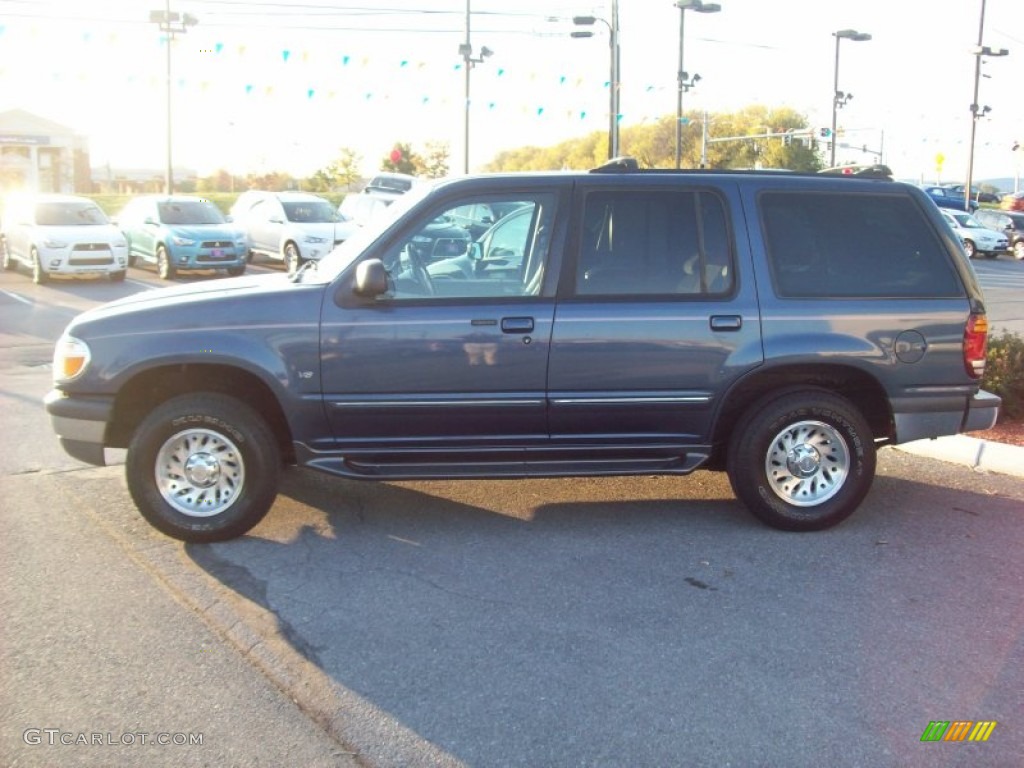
(517, 324)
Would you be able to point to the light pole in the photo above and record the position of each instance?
(614, 76)
(977, 112)
(171, 24)
(684, 82)
(838, 97)
(468, 61)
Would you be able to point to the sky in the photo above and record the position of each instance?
(262, 86)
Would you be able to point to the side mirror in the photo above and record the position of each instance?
(476, 251)
(371, 278)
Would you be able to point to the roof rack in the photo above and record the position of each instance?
(618, 165)
(875, 171)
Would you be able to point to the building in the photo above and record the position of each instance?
(39, 155)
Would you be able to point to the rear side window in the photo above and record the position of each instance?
(667, 242)
(850, 245)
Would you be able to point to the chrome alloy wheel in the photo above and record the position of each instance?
(807, 463)
(199, 472)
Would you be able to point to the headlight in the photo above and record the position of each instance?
(51, 243)
(71, 357)
(182, 241)
(312, 239)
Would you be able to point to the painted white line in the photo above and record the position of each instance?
(16, 297)
(139, 283)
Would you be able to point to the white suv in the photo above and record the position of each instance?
(61, 235)
(294, 227)
(977, 239)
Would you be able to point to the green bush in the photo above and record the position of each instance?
(1004, 373)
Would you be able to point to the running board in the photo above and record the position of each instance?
(406, 468)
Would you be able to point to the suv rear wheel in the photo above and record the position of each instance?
(203, 467)
(803, 461)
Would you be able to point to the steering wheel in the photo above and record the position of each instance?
(421, 277)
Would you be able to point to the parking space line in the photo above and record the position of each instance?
(16, 297)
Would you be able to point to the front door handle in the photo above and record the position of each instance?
(517, 324)
(726, 322)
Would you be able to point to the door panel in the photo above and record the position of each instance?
(655, 325)
(453, 357)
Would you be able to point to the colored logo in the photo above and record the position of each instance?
(958, 730)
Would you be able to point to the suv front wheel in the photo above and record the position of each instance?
(203, 467)
(803, 461)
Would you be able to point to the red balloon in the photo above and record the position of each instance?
(396, 155)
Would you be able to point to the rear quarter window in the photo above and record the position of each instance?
(849, 245)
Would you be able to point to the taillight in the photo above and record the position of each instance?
(975, 344)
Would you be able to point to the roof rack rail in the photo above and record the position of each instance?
(618, 165)
(876, 171)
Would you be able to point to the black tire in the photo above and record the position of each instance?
(39, 275)
(203, 467)
(132, 258)
(164, 268)
(118, 277)
(236, 271)
(8, 262)
(802, 461)
(970, 248)
(1018, 250)
(292, 259)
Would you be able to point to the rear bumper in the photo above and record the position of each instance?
(920, 419)
(81, 424)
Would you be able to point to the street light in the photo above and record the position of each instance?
(977, 112)
(171, 24)
(684, 83)
(614, 76)
(469, 61)
(839, 99)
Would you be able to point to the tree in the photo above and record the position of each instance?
(343, 171)
(400, 160)
(434, 162)
(653, 144)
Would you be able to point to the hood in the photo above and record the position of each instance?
(89, 233)
(188, 303)
(206, 231)
(325, 229)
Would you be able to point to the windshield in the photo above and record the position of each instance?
(967, 221)
(331, 265)
(312, 212)
(71, 214)
(189, 212)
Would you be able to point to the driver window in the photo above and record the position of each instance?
(453, 254)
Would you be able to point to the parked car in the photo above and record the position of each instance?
(182, 232)
(361, 209)
(391, 183)
(977, 239)
(779, 327)
(61, 235)
(977, 194)
(1012, 202)
(497, 254)
(293, 227)
(945, 198)
(1010, 223)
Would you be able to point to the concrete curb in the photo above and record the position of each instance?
(972, 452)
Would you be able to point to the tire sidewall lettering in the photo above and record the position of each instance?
(210, 421)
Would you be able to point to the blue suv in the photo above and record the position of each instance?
(182, 232)
(778, 327)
